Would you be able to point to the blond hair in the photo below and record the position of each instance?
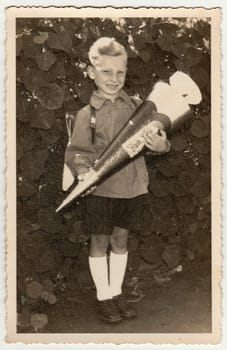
(106, 46)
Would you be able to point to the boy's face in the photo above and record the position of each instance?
(109, 75)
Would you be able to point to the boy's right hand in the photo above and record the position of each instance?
(81, 177)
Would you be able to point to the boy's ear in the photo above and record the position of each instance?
(90, 72)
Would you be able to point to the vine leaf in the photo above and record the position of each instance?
(202, 145)
(165, 42)
(202, 187)
(85, 91)
(172, 255)
(34, 80)
(42, 118)
(178, 143)
(145, 55)
(48, 220)
(30, 49)
(31, 169)
(34, 289)
(41, 38)
(51, 96)
(199, 128)
(185, 204)
(60, 41)
(192, 56)
(159, 188)
(45, 60)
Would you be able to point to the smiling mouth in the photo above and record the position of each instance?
(112, 86)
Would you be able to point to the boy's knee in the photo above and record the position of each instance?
(119, 240)
(100, 241)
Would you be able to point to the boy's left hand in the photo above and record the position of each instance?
(155, 140)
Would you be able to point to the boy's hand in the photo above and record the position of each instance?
(81, 178)
(156, 140)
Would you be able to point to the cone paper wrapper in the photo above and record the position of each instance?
(169, 103)
(89, 180)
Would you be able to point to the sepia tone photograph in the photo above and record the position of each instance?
(113, 203)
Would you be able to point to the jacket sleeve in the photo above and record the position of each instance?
(80, 152)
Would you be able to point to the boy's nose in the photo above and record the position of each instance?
(114, 77)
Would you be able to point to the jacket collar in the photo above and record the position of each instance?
(97, 100)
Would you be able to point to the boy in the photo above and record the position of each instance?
(109, 208)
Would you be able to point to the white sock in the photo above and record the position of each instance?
(99, 272)
(118, 263)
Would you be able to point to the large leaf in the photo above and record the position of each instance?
(60, 41)
(180, 47)
(187, 178)
(42, 118)
(165, 223)
(178, 143)
(32, 245)
(85, 91)
(57, 71)
(185, 205)
(139, 41)
(26, 136)
(202, 145)
(33, 80)
(145, 55)
(49, 220)
(175, 188)
(166, 168)
(172, 255)
(45, 60)
(199, 128)
(151, 248)
(32, 164)
(162, 204)
(30, 49)
(51, 97)
(48, 261)
(25, 189)
(202, 186)
(49, 196)
(50, 136)
(191, 56)
(201, 76)
(165, 42)
(69, 249)
(159, 187)
(41, 38)
(24, 107)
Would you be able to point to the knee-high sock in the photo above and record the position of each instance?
(118, 263)
(99, 272)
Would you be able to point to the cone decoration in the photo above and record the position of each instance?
(167, 103)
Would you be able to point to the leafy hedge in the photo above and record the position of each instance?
(52, 80)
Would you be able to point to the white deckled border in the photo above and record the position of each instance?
(214, 336)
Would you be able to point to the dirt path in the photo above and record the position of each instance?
(180, 305)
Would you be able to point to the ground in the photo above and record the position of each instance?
(181, 305)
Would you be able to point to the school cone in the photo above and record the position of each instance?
(168, 103)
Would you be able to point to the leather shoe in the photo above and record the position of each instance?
(123, 307)
(108, 311)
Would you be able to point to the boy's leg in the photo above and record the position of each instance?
(99, 271)
(98, 265)
(118, 259)
(117, 264)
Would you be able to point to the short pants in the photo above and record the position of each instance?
(101, 214)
